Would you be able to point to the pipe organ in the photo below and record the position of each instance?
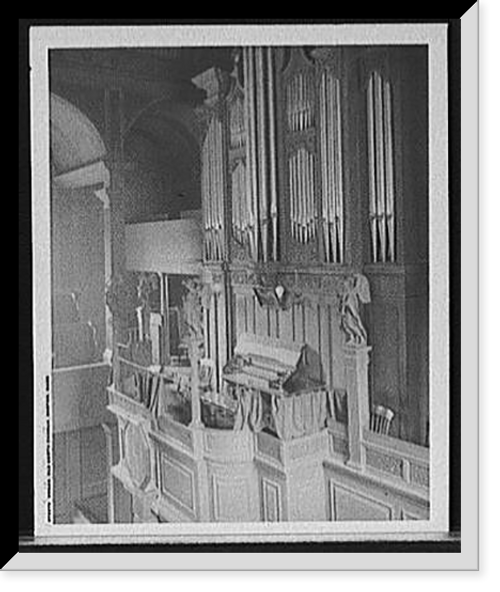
(302, 158)
(250, 350)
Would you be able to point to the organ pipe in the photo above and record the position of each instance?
(381, 168)
(255, 211)
(272, 153)
(332, 209)
(213, 190)
(301, 191)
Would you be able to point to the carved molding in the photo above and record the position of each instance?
(385, 463)
(419, 474)
(346, 291)
(271, 500)
(137, 454)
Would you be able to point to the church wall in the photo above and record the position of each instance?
(78, 254)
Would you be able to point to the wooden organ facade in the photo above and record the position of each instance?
(250, 345)
(324, 175)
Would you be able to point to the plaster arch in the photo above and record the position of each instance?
(74, 140)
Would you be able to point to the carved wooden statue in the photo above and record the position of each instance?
(148, 283)
(194, 301)
(356, 291)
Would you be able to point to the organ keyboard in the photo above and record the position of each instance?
(277, 386)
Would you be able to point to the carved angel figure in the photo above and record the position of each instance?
(194, 301)
(356, 291)
(147, 284)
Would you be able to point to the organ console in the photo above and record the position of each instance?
(278, 387)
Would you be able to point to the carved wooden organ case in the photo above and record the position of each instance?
(273, 190)
(302, 174)
(300, 150)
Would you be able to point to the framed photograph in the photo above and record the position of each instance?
(246, 258)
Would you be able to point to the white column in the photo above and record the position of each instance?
(358, 406)
(165, 350)
(110, 485)
(102, 195)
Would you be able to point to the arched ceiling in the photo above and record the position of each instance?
(74, 140)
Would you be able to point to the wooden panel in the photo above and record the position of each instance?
(312, 326)
(358, 496)
(336, 345)
(286, 325)
(61, 488)
(271, 501)
(275, 323)
(350, 505)
(240, 313)
(176, 431)
(299, 325)
(412, 511)
(387, 367)
(251, 306)
(94, 462)
(230, 499)
(79, 396)
(261, 320)
(177, 481)
(325, 344)
(73, 464)
(137, 454)
(269, 446)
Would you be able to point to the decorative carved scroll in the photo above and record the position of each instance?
(277, 297)
(332, 211)
(381, 167)
(302, 195)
